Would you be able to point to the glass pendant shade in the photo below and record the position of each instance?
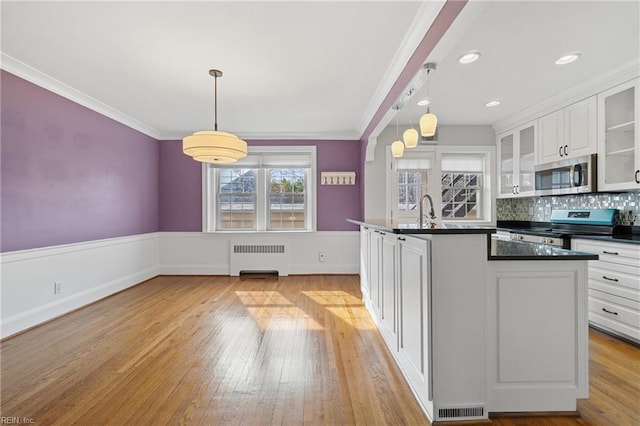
(397, 149)
(428, 124)
(410, 138)
(210, 146)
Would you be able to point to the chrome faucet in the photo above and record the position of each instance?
(432, 213)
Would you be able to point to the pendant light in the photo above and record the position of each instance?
(397, 147)
(410, 137)
(213, 146)
(429, 121)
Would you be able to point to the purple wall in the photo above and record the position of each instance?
(180, 185)
(69, 174)
(180, 189)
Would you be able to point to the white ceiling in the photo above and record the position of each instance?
(519, 42)
(296, 68)
(309, 69)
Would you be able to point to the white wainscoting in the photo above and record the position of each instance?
(88, 271)
(197, 253)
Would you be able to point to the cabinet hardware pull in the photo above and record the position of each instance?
(402, 239)
(637, 176)
(560, 151)
(609, 312)
(610, 252)
(566, 152)
(517, 189)
(610, 279)
(383, 233)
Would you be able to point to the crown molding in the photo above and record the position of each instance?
(27, 72)
(589, 88)
(350, 135)
(423, 20)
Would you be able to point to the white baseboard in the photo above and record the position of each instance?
(88, 271)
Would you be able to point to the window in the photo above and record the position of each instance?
(462, 186)
(461, 195)
(269, 190)
(413, 174)
(287, 198)
(411, 185)
(236, 198)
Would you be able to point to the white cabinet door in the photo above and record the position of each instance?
(389, 294)
(618, 141)
(414, 313)
(375, 272)
(569, 132)
(580, 128)
(516, 160)
(365, 236)
(538, 333)
(550, 137)
(507, 165)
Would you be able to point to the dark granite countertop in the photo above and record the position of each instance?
(517, 250)
(395, 227)
(499, 249)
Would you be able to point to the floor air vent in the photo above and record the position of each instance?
(258, 256)
(461, 413)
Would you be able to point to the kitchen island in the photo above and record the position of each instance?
(476, 325)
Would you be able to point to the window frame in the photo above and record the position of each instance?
(210, 220)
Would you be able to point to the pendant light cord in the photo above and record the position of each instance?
(215, 102)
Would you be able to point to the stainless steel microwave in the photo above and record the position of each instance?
(570, 176)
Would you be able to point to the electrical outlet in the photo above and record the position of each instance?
(57, 287)
(321, 256)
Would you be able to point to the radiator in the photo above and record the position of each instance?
(258, 256)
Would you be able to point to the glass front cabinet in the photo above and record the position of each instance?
(618, 143)
(516, 159)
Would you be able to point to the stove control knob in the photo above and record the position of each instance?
(549, 241)
(520, 237)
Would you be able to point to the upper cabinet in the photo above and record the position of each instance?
(569, 132)
(516, 159)
(618, 142)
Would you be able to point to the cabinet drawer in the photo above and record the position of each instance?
(618, 253)
(620, 280)
(615, 309)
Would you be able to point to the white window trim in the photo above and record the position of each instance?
(208, 203)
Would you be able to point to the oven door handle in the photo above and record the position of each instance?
(573, 182)
(577, 168)
(572, 170)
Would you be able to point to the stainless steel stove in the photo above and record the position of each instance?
(565, 223)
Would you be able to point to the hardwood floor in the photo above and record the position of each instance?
(224, 350)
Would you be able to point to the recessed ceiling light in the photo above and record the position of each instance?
(467, 58)
(567, 59)
(493, 103)
(424, 102)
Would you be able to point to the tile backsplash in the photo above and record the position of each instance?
(539, 208)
